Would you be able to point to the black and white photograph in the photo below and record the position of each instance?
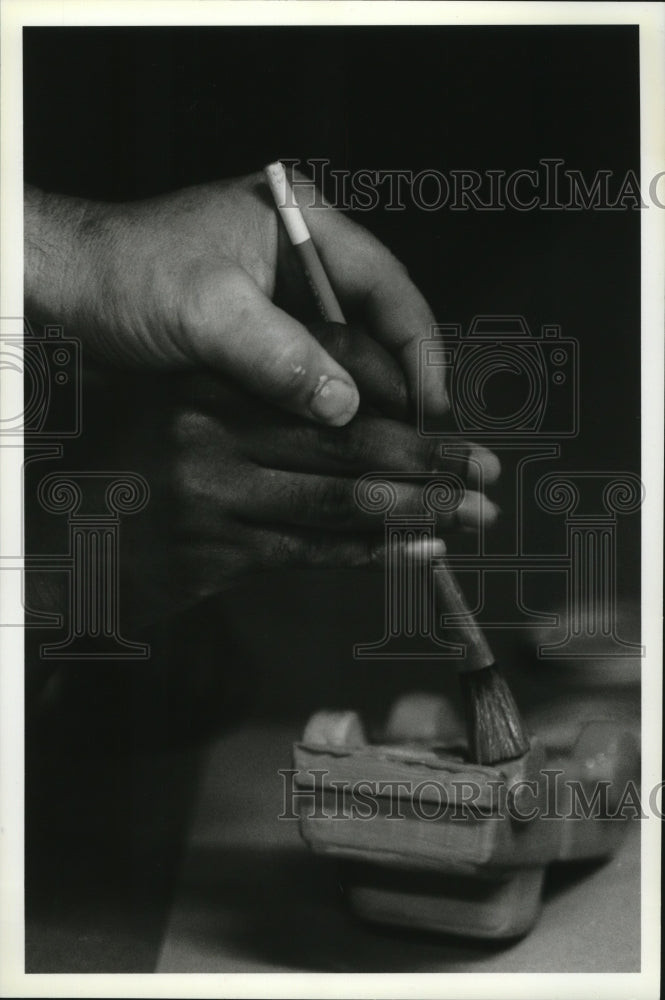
(331, 441)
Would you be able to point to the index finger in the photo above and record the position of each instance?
(371, 281)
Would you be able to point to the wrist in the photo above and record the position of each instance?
(51, 253)
(85, 269)
(67, 250)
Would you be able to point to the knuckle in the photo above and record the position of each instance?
(331, 445)
(283, 549)
(234, 284)
(376, 552)
(399, 267)
(294, 549)
(444, 403)
(359, 449)
(284, 366)
(188, 485)
(288, 495)
(207, 287)
(185, 498)
(188, 427)
(400, 390)
(389, 264)
(336, 502)
(197, 300)
(345, 445)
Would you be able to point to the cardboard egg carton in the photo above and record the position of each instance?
(427, 839)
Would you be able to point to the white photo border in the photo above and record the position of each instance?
(650, 17)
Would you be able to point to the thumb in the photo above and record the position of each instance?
(240, 332)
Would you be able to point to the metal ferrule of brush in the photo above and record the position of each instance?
(463, 628)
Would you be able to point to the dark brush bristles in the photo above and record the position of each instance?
(494, 725)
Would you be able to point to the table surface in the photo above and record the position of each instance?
(250, 897)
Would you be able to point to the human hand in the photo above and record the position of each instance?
(239, 487)
(188, 280)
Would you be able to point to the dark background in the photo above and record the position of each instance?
(120, 114)
(127, 113)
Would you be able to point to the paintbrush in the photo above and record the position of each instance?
(494, 727)
(301, 240)
(495, 730)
